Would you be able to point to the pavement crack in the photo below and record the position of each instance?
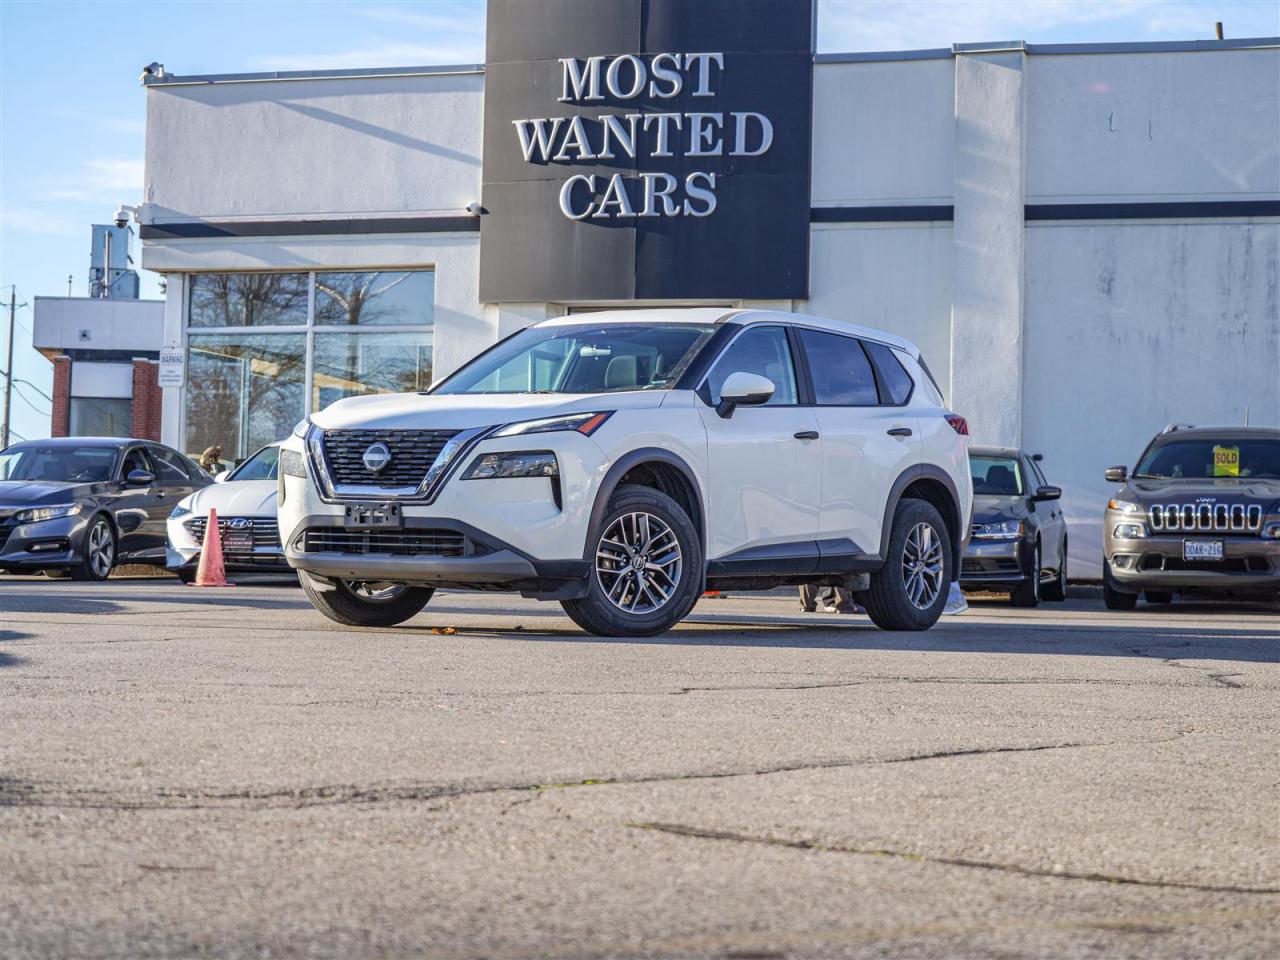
(700, 833)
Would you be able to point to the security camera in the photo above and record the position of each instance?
(124, 214)
(474, 208)
(152, 69)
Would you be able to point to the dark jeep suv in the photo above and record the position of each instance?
(1200, 513)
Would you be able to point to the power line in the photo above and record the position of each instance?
(27, 400)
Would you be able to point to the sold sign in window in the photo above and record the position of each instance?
(1226, 461)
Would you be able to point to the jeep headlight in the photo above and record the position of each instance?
(583, 423)
(36, 514)
(1129, 531)
(500, 466)
(1271, 531)
(1000, 530)
(1123, 506)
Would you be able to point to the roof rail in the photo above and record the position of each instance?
(1175, 427)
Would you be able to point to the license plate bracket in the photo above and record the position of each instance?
(237, 541)
(379, 516)
(1201, 549)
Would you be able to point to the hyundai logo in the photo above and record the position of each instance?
(239, 523)
(376, 457)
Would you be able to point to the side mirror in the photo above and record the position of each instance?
(1117, 474)
(742, 389)
(1048, 493)
(140, 478)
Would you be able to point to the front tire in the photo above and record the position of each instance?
(1057, 591)
(646, 562)
(910, 591)
(97, 552)
(360, 604)
(1115, 599)
(1027, 593)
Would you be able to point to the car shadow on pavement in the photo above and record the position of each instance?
(11, 659)
(64, 601)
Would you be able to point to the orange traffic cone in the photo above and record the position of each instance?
(211, 572)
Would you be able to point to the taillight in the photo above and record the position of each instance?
(958, 423)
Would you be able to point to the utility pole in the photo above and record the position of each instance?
(8, 371)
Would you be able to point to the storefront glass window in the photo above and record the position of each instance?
(380, 298)
(243, 391)
(247, 299)
(101, 417)
(353, 364)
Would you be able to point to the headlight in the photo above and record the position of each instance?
(48, 513)
(1129, 531)
(1000, 530)
(1271, 531)
(501, 466)
(300, 429)
(1123, 506)
(293, 464)
(584, 423)
(180, 511)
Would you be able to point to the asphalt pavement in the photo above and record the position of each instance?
(224, 773)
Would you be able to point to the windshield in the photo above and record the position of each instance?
(585, 358)
(1203, 459)
(261, 466)
(995, 476)
(57, 464)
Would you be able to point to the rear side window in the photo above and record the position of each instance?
(893, 376)
(841, 372)
(169, 466)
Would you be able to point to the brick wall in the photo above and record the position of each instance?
(59, 423)
(147, 400)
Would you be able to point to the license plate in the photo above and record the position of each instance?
(237, 541)
(366, 515)
(1201, 549)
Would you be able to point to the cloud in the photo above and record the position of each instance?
(462, 18)
(98, 180)
(47, 222)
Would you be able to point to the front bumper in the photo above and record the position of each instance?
(44, 543)
(995, 564)
(182, 551)
(1249, 564)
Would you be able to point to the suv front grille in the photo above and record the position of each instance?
(412, 454)
(1205, 518)
(401, 543)
(266, 533)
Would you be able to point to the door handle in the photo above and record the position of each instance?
(900, 432)
(806, 435)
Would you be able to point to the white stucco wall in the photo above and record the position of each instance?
(85, 323)
(355, 146)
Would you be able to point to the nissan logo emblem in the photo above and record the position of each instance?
(376, 457)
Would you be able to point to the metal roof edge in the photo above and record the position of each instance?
(1051, 49)
(273, 76)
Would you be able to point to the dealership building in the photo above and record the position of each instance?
(1084, 240)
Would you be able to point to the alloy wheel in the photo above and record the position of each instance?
(100, 549)
(374, 591)
(922, 566)
(639, 563)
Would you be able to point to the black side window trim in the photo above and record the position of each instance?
(880, 384)
(808, 373)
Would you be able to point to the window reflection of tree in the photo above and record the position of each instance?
(248, 299)
(348, 365)
(352, 298)
(241, 394)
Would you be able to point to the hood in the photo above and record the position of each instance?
(461, 411)
(39, 493)
(993, 509)
(1223, 489)
(235, 498)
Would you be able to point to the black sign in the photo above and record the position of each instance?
(646, 149)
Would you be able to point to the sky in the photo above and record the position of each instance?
(72, 111)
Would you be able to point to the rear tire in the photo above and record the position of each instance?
(1115, 599)
(1158, 597)
(631, 591)
(1057, 591)
(354, 604)
(910, 591)
(1027, 593)
(97, 552)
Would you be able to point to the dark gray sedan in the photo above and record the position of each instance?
(83, 504)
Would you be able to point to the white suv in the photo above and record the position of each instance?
(624, 462)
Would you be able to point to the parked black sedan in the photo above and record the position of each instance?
(83, 504)
(1018, 542)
